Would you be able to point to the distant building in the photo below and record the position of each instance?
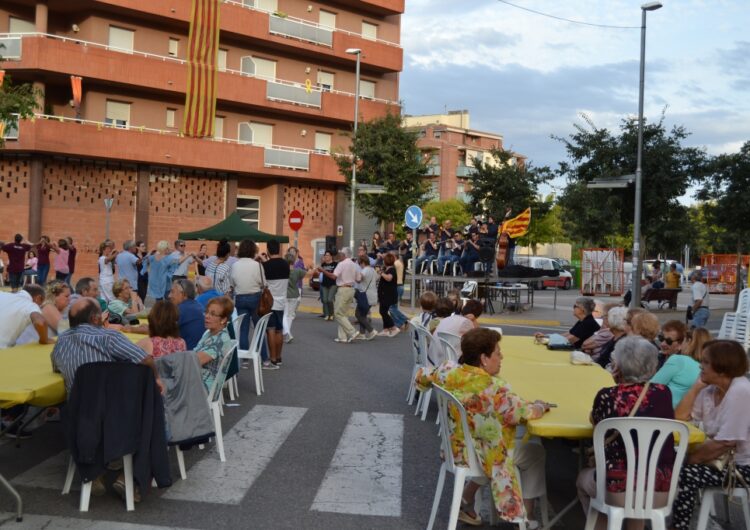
(452, 146)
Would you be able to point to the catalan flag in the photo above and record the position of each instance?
(203, 45)
(519, 225)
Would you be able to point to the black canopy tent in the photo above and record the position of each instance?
(233, 228)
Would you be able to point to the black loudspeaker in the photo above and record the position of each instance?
(486, 254)
(331, 244)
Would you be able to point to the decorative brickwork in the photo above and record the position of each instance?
(318, 205)
(14, 196)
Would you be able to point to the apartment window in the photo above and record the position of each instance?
(460, 189)
(327, 19)
(19, 25)
(248, 209)
(325, 80)
(265, 5)
(221, 60)
(256, 133)
(258, 67)
(323, 142)
(121, 38)
(367, 89)
(437, 134)
(219, 127)
(434, 190)
(369, 31)
(174, 47)
(117, 113)
(171, 113)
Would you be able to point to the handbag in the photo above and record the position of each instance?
(266, 298)
(363, 305)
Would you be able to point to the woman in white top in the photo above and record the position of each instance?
(107, 254)
(54, 311)
(247, 283)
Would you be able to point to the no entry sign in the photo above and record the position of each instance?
(295, 220)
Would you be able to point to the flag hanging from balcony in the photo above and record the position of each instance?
(203, 44)
(519, 225)
(75, 85)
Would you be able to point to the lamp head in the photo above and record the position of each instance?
(353, 51)
(652, 6)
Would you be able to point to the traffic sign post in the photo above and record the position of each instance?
(295, 223)
(413, 218)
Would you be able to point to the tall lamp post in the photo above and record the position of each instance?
(636, 298)
(358, 53)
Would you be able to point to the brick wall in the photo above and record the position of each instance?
(14, 197)
(318, 205)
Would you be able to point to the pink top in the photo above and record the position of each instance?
(166, 345)
(730, 420)
(61, 261)
(32, 263)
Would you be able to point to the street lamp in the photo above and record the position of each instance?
(358, 53)
(636, 298)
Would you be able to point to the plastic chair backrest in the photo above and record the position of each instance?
(237, 325)
(449, 352)
(259, 333)
(650, 435)
(446, 401)
(221, 373)
(453, 339)
(743, 306)
(424, 339)
(414, 336)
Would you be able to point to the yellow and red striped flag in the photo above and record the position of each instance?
(519, 225)
(203, 45)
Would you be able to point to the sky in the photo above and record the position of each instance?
(528, 77)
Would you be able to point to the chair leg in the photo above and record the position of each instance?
(458, 491)
(85, 496)
(230, 386)
(615, 520)
(438, 494)
(181, 462)
(419, 403)
(745, 499)
(69, 476)
(591, 518)
(658, 522)
(258, 375)
(217, 427)
(236, 386)
(544, 509)
(707, 509)
(426, 403)
(127, 468)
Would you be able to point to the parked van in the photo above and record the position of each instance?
(564, 280)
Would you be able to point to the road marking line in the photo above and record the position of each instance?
(364, 477)
(49, 522)
(250, 445)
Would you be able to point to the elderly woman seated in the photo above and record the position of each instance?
(493, 412)
(126, 304)
(212, 344)
(634, 361)
(679, 372)
(616, 318)
(719, 401)
(596, 342)
(586, 325)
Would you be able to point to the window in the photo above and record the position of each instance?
(174, 47)
(323, 142)
(369, 31)
(19, 25)
(434, 190)
(221, 60)
(170, 117)
(256, 133)
(258, 67)
(121, 38)
(437, 134)
(367, 89)
(219, 127)
(327, 19)
(460, 189)
(248, 209)
(117, 114)
(267, 5)
(325, 80)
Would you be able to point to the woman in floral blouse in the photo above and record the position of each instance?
(493, 412)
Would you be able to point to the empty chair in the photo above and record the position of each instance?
(643, 439)
(253, 353)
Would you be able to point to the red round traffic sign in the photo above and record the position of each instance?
(295, 220)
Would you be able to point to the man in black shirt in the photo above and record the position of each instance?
(276, 271)
(429, 252)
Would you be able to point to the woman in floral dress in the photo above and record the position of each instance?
(493, 411)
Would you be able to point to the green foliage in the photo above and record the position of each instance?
(453, 209)
(544, 228)
(386, 155)
(596, 216)
(502, 185)
(16, 102)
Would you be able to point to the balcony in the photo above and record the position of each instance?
(464, 171)
(300, 30)
(81, 138)
(10, 48)
(94, 61)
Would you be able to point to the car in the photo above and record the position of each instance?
(564, 280)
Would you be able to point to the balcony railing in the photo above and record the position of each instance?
(465, 171)
(10, 130)
(286, 157)
(10, 47)
(293, 93)
(300, 30)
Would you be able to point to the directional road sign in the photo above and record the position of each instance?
(413, 217)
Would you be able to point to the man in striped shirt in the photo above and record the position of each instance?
(87, 341)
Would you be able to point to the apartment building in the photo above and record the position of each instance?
(285, 95)
(451, 146)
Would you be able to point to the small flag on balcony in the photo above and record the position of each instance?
(519, 225)
(75, 85)
(2, 78)
(203, 44)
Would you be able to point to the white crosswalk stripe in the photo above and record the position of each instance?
(364, 477)
(48, 522)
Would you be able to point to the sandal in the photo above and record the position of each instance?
(467, 515)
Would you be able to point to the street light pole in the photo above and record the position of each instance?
(636, 290)
(358, 53)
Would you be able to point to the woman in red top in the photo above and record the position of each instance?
(163, 331)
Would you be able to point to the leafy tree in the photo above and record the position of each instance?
(500, 185)
(596, 215)
(16, 102)
(545, 228)
(386, 155)
(453, 209)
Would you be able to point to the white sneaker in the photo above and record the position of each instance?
(384, 333)
(394, 332)
(288, 339)
(371, 335)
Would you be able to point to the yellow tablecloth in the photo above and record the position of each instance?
(534, 372)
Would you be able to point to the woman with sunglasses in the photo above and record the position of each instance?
(679, 372)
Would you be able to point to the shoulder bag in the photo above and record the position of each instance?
(266, 298)
(363, 305)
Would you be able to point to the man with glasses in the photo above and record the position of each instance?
(182, 259)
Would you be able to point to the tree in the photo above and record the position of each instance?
(386, 155)
(16, 102)
(502, 184)
(452, 209)
(595, 215)
(544, 228)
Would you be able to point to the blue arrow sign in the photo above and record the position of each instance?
(413, 216)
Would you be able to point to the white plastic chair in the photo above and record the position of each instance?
(425, 341)
(449, 351)
(127, 469)
(452, 338)
(471, 469)
(214, 397)
(650, 435)
(231, 383)
(416, 357)
(253, 354)
(708, 506)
